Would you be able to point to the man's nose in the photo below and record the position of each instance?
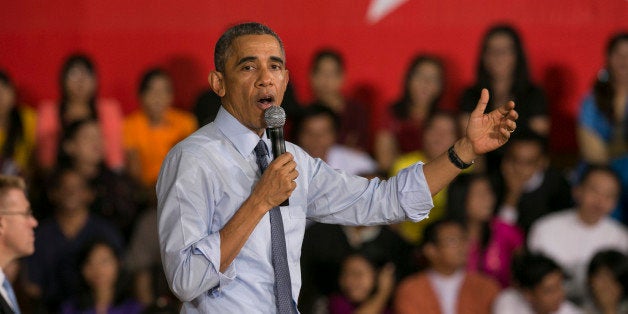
(265, 78)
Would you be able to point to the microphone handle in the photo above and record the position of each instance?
(279, 147)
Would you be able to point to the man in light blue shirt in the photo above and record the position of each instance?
(213, 203)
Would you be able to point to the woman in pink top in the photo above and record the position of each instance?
(78, 101)
(493, 243)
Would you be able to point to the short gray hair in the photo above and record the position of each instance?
(224, 43)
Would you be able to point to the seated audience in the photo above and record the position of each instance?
(150, 132)
(620, 165)
(528, 186)
(572, 237)
(325, 246)
(402, 129)
(603, 122)
(364, 287)
(608, 283)
(538, 288)
(317, 133)
(79, 101)
(441, 132)
(327, 76)
(493, 243)
(103, 287)
(17, 132)
(445, 286)
(116, 196)
(52, 274)
(143, 260)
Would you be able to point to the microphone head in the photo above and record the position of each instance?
(275, 117)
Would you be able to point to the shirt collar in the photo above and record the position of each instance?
(240, 136)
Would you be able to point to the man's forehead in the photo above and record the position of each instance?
(255, 46)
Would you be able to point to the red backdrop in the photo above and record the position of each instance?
(564, 41)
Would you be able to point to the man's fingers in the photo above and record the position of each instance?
(482, 103)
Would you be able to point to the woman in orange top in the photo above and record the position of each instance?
(150, 132)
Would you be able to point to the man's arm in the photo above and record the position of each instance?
(485, 132)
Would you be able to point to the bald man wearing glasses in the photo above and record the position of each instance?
(17, 235)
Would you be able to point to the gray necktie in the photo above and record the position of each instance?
(9, 290)
(283, 285)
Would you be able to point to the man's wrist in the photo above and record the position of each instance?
(464, 150)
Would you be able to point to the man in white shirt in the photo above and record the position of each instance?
(17, 236)
(572, 237)
(539, 289)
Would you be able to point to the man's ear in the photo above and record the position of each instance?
(429, 251)
(217, 83)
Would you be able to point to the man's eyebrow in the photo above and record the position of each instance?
(277, 59)
(246, 59)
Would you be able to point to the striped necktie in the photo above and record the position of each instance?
(283, 285)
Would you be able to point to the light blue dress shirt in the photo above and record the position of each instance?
(206, 178)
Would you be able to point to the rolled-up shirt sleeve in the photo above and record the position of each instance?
(190, 245)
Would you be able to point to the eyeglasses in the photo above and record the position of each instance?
(26, 214)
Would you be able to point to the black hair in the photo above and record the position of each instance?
(529, 269)
(327, 53)
(457, 195)
(148, 76)
(604, 89)
(85, 299)
(430, 233)
(69, 134)
(614, 261)
(401, 107)
(592, 168)
(224, 43)
(525, 134)
(311, 111)
(15, 128)
(521, 80)
(72, 61)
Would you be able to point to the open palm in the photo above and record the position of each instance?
(489, 131)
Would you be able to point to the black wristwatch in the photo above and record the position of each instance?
(453, 157)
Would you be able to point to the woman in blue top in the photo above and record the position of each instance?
(603, 121)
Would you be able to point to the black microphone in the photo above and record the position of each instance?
(275, 118)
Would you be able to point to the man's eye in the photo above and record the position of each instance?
(248, 68)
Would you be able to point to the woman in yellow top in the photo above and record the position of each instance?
(151, 131)
(17, 132)
(441, 131)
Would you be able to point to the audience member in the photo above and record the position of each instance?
(502, 68)
(143, 260)
(102, 284)
(16, 236)
(116, 195)
(572, 237)
(17, 132)
(365, 287)
(317, 133)
(493, 243)
(52, 272)
(151, 131)
(538, 288)
(445, 287)
(528, 187)
(607, 280)
(441, 131)
(327, 76)
(620, 165)
(603, 121)
(79, 100)
(325, 246)
(401, 132)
